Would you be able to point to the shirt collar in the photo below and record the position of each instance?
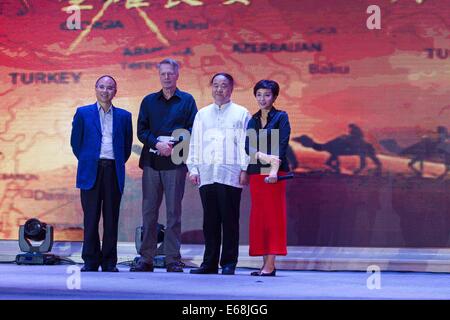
(100, 107)
(270, 115)
(177, 93)
(224, 106)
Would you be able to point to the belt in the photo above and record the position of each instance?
(105, 162)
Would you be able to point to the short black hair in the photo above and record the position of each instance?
(223, 74)
(267, 84)
(106, 76)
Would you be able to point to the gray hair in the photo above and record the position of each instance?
(170, 61)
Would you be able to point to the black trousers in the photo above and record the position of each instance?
(104, 197)
(220, 216)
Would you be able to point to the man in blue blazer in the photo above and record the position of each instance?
(101, 140)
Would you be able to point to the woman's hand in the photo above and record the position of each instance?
(274, 162)
(268, 158)
(271, 178)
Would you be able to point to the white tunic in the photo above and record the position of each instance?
(217, 145)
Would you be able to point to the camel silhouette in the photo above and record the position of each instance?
(351, 144)
(428, 148)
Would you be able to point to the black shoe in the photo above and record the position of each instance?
(264, 274)
(87, 268)
(271, 274)
(110, 269)
(204, 270)
(174, 267)
(141, 266)
(228, 270)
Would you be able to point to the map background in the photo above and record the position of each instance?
(393, 90)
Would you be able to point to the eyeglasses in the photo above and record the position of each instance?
(109, 88)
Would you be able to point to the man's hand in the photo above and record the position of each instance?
(195, 179)
(243, 178)
(165, 148)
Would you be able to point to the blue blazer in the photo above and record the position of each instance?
(86, 141)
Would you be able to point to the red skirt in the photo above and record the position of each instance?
(267, 217)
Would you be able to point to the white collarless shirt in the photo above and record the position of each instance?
(217, 145)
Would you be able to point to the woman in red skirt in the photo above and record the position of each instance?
(267, 161)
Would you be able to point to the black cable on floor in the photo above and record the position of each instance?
(126, 263)
(65, 261)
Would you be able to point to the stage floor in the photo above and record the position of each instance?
(300, 275)
(298, 258)
(50, 283)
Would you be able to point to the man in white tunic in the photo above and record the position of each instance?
(217, 163)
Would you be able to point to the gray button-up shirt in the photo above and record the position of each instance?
(106, 123)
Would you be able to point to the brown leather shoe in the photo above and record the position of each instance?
(174, 267)
(141, 266)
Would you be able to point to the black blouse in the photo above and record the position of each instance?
(276, 119)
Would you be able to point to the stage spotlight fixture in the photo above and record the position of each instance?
(159, 260)
(37, 231)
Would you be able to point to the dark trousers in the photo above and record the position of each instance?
(104, 197)
(220, 216)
